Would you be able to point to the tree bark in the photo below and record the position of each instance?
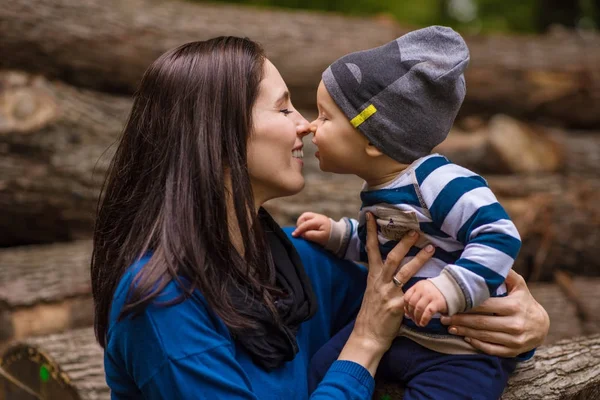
(569, 319)
(507, 146)
(55, 155)
(44, 289)
(106, 45)
(566, 370)
(48, 277)
(559, 220)
(55, 145)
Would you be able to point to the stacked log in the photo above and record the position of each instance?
(569, 369)
(58, 131)
(106, 45)
(70, 366)
(44, 289)
(54, 158)
(505, 145)
(55, 146)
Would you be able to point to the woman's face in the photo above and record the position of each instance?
(275, 146)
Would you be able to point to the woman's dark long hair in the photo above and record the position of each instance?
(165, 191)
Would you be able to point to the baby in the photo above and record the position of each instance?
(381, 112)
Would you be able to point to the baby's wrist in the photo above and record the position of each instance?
(335, 237)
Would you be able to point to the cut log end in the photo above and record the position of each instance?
(35, 370)
(66, 366)
(26, 104)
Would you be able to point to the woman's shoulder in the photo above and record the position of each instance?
(324, 267)
(170, 330)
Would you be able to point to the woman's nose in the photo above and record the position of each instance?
(302, 126)
(303, 130)
(300, 120)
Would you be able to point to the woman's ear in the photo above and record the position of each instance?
(372, 151)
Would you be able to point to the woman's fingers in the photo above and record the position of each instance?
(498, 306)
(494, 337)
(409, 269)
(493, 349)
(513, 281)
(493, 323)
(398, 253)
(395, 256)
(372, 246)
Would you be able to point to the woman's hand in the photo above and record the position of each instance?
(520, 323)
(382, 309)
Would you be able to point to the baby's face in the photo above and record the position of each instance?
(341, 147)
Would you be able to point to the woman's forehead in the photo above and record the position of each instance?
(272, 84)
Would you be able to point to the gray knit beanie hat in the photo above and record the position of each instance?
(403, 96)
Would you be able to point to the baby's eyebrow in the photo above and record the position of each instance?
(321, 107)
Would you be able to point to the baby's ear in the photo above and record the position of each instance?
(372, 151)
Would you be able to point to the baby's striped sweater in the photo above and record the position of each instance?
(453, 209)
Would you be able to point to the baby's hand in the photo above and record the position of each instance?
(422, 301)
(313, 227)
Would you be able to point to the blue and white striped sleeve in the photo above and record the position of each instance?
(463, 206)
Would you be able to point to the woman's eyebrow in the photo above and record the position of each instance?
(283, 98)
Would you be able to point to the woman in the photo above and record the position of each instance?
(198, 292)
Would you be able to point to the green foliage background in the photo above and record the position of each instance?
(490, 15)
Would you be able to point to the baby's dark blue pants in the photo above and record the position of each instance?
(425, 374)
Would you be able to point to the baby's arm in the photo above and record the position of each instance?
(462, 206)
(341, 237)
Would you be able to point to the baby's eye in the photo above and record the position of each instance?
(286, 111)
(322, 118)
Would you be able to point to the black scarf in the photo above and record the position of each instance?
(272, 344)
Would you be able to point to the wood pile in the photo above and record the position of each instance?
(70, 366)
(530, 124)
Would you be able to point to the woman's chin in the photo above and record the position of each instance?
(296, 186)
(291, 187)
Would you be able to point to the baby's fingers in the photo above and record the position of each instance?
(409, 294)
(305, 217)
(411, 302)
(421, 309)
(427, 314)
(311, 224)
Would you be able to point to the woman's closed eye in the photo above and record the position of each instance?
(286, 111)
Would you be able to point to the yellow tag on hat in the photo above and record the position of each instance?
(363, 116)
